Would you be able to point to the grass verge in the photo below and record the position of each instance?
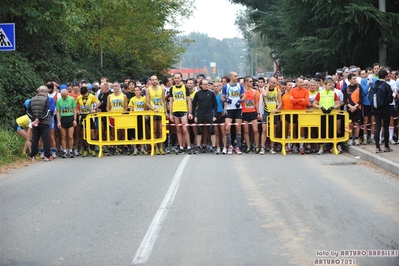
(11, 146)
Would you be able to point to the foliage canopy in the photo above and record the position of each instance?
(65, 40)
(321, 35)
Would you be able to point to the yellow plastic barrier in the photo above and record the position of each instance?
(311, 121)
(108, 122)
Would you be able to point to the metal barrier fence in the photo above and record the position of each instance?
(317, 126)
(114, 129)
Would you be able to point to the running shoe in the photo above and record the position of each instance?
(217, 151)
(272, 151)
(349, 142)
(295, 149)
(68, 155)
(339, 148)
(357, 142)
(48, 159)
(247, 150)
(230, 150)
(278, 148)
(135, 152)
(262, 151)
(76, 152)
(224, 151)
(364, 141)
(238, 151)
(203, 149)
(85, 153)
(111, 151)
(321, 150)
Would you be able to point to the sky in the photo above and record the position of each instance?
(213, 17)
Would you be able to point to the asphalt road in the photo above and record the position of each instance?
(198, 210)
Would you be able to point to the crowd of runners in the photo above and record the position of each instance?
(224, 116)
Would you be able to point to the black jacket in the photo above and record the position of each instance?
(207, 104)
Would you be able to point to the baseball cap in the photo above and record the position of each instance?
(63, 86)
(318, 76)
(26, 103)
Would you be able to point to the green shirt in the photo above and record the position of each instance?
(66, 107)
(327, 98)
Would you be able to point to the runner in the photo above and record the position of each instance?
(232, 95)
(180, 104)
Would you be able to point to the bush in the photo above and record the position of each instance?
(18, 82)
(11, 145)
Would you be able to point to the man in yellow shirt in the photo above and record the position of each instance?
(155, 101)
(116, 102)
(87, 103)
(180, 105)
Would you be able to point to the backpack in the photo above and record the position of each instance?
(377, 96)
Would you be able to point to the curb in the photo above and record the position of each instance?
(383, 163)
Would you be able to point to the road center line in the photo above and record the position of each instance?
(144, 251)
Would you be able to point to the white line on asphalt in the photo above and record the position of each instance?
(144, 251)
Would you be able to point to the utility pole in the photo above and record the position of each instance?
(382, 46)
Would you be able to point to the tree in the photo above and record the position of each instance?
(258, 53)
(202, 50)
(62, 40)
(321, 35)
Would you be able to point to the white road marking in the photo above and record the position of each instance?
(144, 251)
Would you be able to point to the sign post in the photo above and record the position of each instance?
(261, 71)
(7, 36)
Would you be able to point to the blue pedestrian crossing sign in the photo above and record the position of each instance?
(7, 36)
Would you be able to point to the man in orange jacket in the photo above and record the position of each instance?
(299, 99)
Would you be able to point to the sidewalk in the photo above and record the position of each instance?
(388, 161)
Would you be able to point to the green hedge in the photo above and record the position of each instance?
(11, 145)
(18, 82)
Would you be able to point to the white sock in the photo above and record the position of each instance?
(391, 132)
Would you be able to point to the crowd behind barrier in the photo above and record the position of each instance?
(231, 115)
